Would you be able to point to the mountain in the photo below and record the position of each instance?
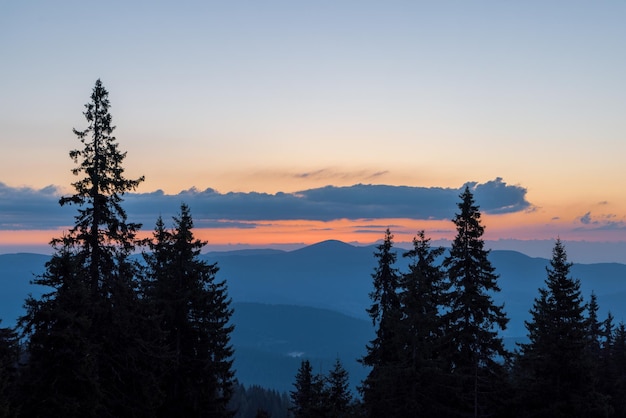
(271, 340)
(334, 275)
(331, 275)
(16, 272)
(311, 302)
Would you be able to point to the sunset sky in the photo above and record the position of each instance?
(290, 122)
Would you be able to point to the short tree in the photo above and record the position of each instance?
(308, 397)
(338, 395)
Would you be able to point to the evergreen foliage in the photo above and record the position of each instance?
(9, 356)
(323, 396)
(424, 294)
(60, 376)
(194, 313)
(617, 378)
(101, 342)
(473, 319)
(256, 402)
(383, 386)
(112, 337)
(555, 369)
(309, 398)
(338, 395)
(83, 337)
(101, 236)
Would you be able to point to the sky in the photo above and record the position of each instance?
(284, 123)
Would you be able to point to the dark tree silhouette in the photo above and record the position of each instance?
(554, 369)
(256, 401)
(84, 339)
(308, 398)
(9, 356)
(617, 378)
(194, 319)
(473, 319)
(424, 296)
(383, 386)
(338, 395)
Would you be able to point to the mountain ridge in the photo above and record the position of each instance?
(311, 302)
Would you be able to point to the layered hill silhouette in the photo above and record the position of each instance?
(310, 303)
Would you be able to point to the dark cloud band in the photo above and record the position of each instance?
(23, 208)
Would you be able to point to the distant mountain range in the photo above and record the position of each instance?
(337, 276)
(311, 302)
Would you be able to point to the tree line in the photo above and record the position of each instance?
(117, 336)
(438, 350)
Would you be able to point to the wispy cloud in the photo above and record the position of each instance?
(602, 222)
(333, 174)
(24, 208)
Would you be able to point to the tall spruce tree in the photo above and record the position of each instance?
(193, 311)
(83, 337)
(554, 371)
(101, 237)
(424, 294)
(473, 319)
(383, 387)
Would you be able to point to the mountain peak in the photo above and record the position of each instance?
(328, 245)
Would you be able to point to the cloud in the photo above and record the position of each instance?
(586, 218)
(24, 208)
(329, 173)
(496, 196)
(604, 222)
(369, 231)
(28, 208)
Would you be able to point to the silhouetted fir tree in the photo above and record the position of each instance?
(473, 319)
(60, 377)
(84, 340)
(194, 314)
(308, 399)
(607, 373)
(618, 368)
(338, 395)
(594, 336)
(256, 401)
(9, 355)
(594, 327)
(383, 387)
(423, 296)
(554, 371)
(608, 339)
(101, 235)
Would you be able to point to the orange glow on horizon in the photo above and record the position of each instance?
(518, 226)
